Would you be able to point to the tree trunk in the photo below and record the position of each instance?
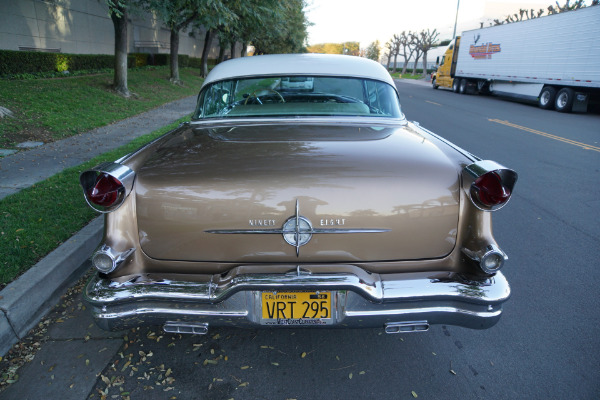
(395, 60)
(389, 58)
(425, 65)
(174, 56)
(221, 53)
(405, 66)
(121, 44)
(205, 51)
(244, 49)
(233, 49)
(415, 64)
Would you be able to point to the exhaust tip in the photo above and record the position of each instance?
(403, 327)
(188, 328)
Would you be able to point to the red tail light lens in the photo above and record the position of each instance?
(106, 190)
(490, 191)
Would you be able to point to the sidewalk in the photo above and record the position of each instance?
(24, 169)
(27, 299)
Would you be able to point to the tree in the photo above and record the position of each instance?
(396, 46)
(524, 14)
(284, 30)
(208, 37)
(388, 46)
(415, 44)
(176, 15)
(404, 44)
(427, 41)
(214, 16)
(372, 51)
(351, 48)
(118, 14)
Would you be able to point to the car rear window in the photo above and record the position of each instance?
(298, 96)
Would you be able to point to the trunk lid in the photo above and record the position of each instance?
(228, 194)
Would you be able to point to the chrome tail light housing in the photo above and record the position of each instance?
(490, 258)
(106, 186)
(106, 259)
(489, 184)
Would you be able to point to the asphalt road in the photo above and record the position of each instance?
(546, 345)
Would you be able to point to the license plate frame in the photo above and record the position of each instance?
(296, 308)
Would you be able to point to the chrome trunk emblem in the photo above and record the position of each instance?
(296, 230)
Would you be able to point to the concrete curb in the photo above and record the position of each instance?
(26, 300)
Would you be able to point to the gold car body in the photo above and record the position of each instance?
(375, 220)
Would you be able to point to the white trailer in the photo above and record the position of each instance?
(554, 60)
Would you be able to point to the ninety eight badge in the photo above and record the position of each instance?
(296, 230)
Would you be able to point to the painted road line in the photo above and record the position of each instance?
(431, 102)
(548, 135)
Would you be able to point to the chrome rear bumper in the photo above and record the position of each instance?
(360, 299)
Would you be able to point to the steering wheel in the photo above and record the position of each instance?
(254, 95)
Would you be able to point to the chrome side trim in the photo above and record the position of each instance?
(296, 230)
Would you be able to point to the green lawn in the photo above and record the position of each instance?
(398, 75)
(36, 220)
(50, 109)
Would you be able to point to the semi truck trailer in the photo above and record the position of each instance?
(552, 60)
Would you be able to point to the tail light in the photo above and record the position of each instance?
(106, 186)
(489, 184)
(106, 191)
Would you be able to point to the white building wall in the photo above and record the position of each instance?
(85, 27)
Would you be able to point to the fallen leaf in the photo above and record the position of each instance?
(350, 375)
(217, 336)
(361, 373)
(414, 394)
(452, 372)
(245, 367)
(243, 384)
(303, 354)
(275, 364)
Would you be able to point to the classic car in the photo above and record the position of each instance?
(298, 195)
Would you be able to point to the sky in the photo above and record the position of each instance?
(364, 21)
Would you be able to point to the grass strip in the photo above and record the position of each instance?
(36, 220)
(398, 75)
(51, 109)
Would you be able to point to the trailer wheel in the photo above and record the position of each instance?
(455, 84)
(547, 98)
(434, 84)
(462, 89)
(564, 100)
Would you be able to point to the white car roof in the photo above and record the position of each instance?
(299, 64)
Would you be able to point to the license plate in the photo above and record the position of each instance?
(296, 308)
